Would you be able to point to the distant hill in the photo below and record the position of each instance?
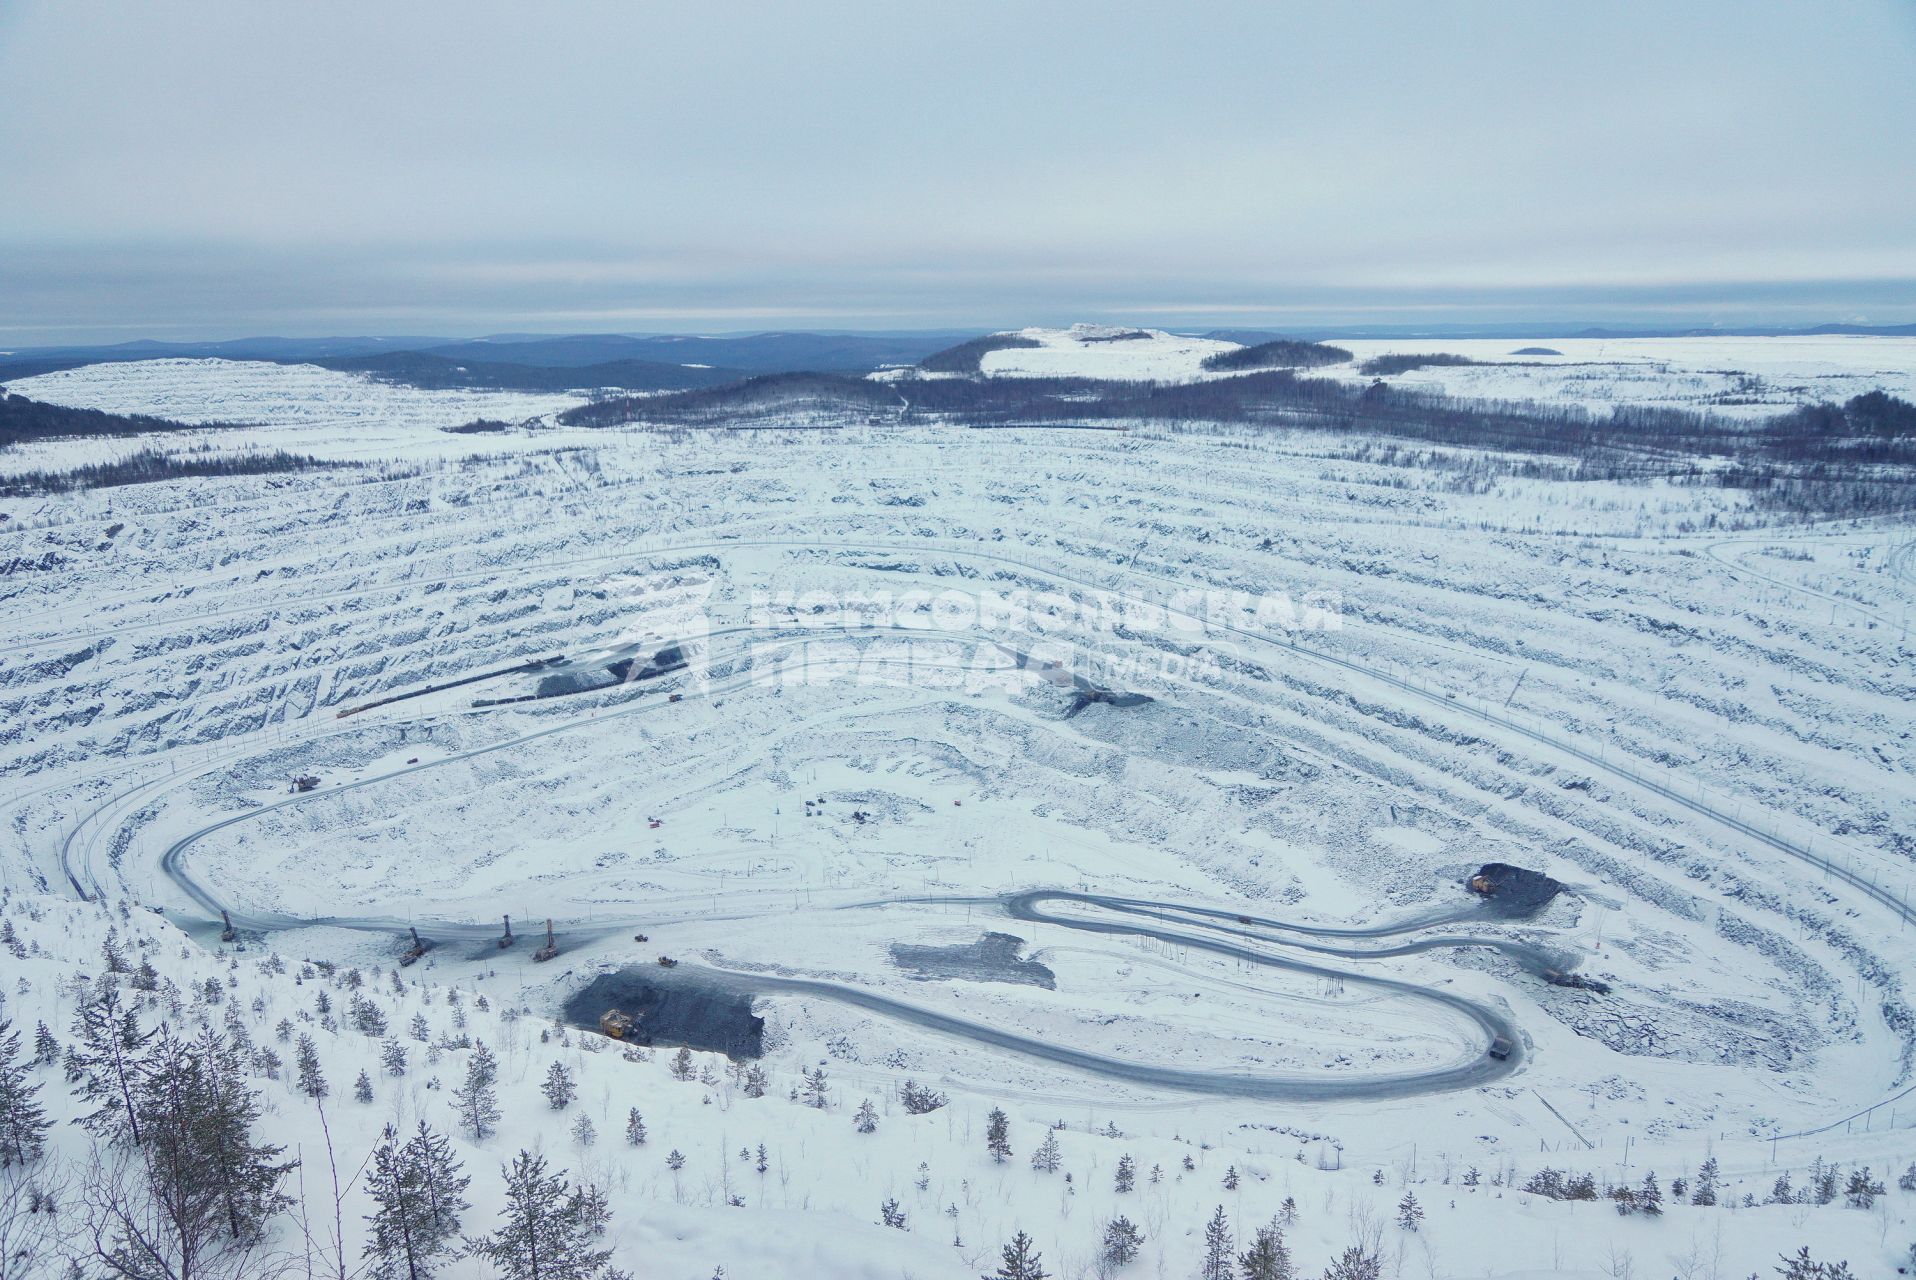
(437, 373)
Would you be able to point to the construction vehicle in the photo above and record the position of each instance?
(1501, 1047)
(640, 937)
(550, 949)
(615, 1024)
(508, 939)
(417, 949)
(227, 932)
(304, 782)
(675, 697)
(667, 962)
(1481, 884)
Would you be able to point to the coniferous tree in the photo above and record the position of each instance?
(1119, 1247)
(1650, 1197)
(1410, 1214)
(998, 1135)
(559, 1088)
(817, 1092)
(584, 1132)
(549, 1229)
(890, 1215)
(682, 1068)
(312, 1081)
(634, 1128)
(1127, 1176)
(1218, 1258)
(1357, 1263)
(196, 1194)
(363, 1087)
(392, 1058)
(1021, 1261)
(1268, 1258)
(104, 1062)
(1230, 1178)
(418, 1190)
(755, 1081)
(23, 1121)
(866, 1121)
(1861, 1191)
(1705, 1193)
(476, 1101)
(1047, 1156)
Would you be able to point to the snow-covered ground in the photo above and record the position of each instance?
(1743, 377)
(1369, 672)
(314, 411)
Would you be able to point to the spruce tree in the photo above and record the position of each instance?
(1021, 1261)
(1218, 1259)
(1120, 1244)
(866, 1121)
(1268, 1258)
(1047, 1156)
(23, 1121)
(363, 1087)
(312, 1081)
(559, 1088)
(1357, 1263)
(1127, 1173)
(998, 1135)
(1705, 1193)
(634, 1128)
(418, 1190)
(549, 1228)
(1650, 1198)
(104, 1062)
(476, 1101)
(1410, 1214)
(392, 1058)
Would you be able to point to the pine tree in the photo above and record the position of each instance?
(1650, 1198)
(890, 1215)
(559, 1088)
(1287, 1212)
(392, 1058)
(418, 1189)
(1120, 1245)
(682, 1064)
(549, 1227)
(634, 1128)
(755, 1081)
(1127, 1173)
(476, 1101)
(104, 1062)
(998, 1135)
(1803, 1267)
(1230, 1178)
(208, 1189)
(817, 1093)
(23, 1121)
(866, 1121)
(1356, 1264)
(1705, 1193)
(363, 1088)
(1021, 1261)
(312, 1082)
(420, 1030)
(1047, 1156)
(1268, 1258)
(584, 1132)
(1218, 1260)
(1861, 1191)
(1410, 1214)
(46, 1050)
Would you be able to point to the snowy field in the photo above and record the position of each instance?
(1741, 377)
(1363, 677)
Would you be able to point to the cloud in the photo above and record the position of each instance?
(218, 166)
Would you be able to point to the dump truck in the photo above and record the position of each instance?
(1501, 1048)
(615, 1023)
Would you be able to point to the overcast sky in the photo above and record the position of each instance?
(200, 168)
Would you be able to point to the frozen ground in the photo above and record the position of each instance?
(1366, 679)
